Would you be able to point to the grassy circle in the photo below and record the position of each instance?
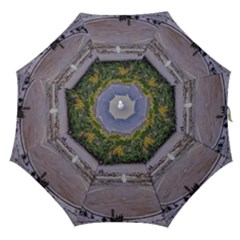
(113, 148)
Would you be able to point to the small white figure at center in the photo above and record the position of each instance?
(120, 105)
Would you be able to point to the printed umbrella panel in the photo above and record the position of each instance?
(122, 118)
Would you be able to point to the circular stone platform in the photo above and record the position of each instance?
(121, 108)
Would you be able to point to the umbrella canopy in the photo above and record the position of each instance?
(122, 118)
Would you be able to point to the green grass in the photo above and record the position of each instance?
(113, 148)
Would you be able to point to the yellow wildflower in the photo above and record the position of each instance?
(89, 136)
(123, 70)
(163, 112)
(153, 82)
(79, 105)
(118, 151)
(94, 78)
(147, 142)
